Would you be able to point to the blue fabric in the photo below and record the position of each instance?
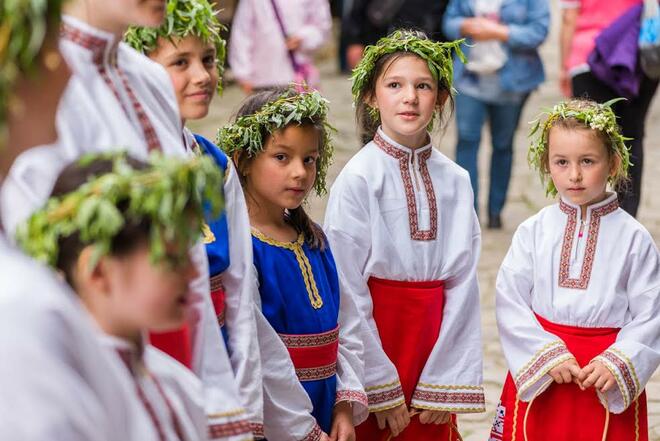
(528, 22)
(286, 304)
(217, 251)
(471, 115)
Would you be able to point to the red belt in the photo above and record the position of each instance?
(314, 355)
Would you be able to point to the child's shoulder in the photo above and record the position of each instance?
(450, 168)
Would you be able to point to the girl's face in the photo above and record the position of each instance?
(191, 64)
(579, 165)
(406, 95)
(117, 15)
(282, 175)
(142, 295)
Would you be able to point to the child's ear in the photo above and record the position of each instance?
(615, 163)
(443, 95)
(95, 276)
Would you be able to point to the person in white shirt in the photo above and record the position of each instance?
(48, 350)
(119, 99)
(406, 239)
(109, 229)
(577, 295)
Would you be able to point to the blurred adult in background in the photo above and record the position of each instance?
(272, 42)
(583, 21)
(503, 68)
(366, 21)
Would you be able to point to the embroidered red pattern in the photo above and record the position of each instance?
(317, 373)
(536, 366)
(625, 371)
(314, 435)
(310, 340)
(98, 46)
(404, 167)
(590, 250)
(383, 397)
(450, 397)
(233, 428)
(352, 395)
(257, 430)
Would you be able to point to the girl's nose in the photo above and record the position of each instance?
(199, 73)
(410, 94)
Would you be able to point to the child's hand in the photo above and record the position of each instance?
(397, 418)
(565, 372)
(342, 423)
(434, 417)
(293, 43)
(597, 375)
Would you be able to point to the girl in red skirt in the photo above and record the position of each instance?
(406, 239)
(578, 304)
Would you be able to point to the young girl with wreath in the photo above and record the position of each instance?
(280, 143)
(119, 231)
(401, 221)
(577, 296)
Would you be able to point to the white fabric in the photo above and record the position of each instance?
(240, 287)
(57, 382)
(486, 57)
(622, 291)
(367, 223)
(90, 118)
(152, 371)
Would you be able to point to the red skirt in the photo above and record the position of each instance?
(178, 343)
(563, 412)
(408, 316)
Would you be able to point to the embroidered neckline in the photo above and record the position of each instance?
(303, 262)
(596, 212)
(403, 156)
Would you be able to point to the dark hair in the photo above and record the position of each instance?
(133, 234)
(297, 217)
(368, 124)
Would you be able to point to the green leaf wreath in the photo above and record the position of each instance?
(23, 27)
(437, 55)
(184, 18)
(290, 108)
(172, 193)
(593, 115)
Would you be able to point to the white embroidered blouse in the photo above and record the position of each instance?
(401, 214)
(603, 273)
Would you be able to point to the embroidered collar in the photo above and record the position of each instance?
(102, 45)
(131, 355)
(604, 207)
(389, 146)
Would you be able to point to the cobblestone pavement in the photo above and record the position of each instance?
(526, 197)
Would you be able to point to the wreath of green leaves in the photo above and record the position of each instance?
(183, 18)
(292, 107)
(23, 27)
(437, 55)
(172, 193)
(592, 115)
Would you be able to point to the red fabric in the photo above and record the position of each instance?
(218, 298)
(565, 413)
(176, 344)
(314, 356)
(408, 316)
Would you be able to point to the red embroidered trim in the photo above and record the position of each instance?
(216, 283)
(625, 371)
(539, 363)
(404, 167)
(258, 430)
(383, 397)
(590, 250)
(310, 340)
(95, 44)
(352, 395)
(317, 373)
(153, 143)
(450, 397)
(314, 435)
(229, 429)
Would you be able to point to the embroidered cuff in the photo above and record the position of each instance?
(359, 403)
(314, 435)
(258, 430)
(626, 379)
(241, 429)
(449, 398)
(385, 396)
(528, 378)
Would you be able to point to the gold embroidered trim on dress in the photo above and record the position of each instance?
(303, 262)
